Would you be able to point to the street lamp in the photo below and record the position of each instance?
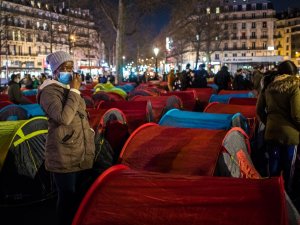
(156, 51)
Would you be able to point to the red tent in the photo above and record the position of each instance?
(242, 101)
(128, 197)
(249, 111)
(159, 104)
(173, 150)
(226, 92)
(188, 98)
(136, 113)
(203, 95)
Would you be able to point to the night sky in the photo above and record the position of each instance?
(284, 4)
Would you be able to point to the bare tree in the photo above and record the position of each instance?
(197, 26)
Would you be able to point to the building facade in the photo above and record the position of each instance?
(249, 25)
(287, 36)
(30, 30)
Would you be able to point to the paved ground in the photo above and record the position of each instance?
(42, 213)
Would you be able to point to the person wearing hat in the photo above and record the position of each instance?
(14, 92)
(70, 147)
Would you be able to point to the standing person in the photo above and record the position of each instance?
(258, 74)
(171, 78)
(222, 78)
(186, 77)
(279, 109)
(14, 92)
(70, 147)
(199, 79)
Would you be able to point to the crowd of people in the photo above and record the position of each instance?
(70, 150)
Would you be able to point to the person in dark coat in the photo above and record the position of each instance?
(186, 77)
(279, 109)
(222, 79)
(199, 79)
(14, 93)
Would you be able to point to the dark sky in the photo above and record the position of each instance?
(281, 5)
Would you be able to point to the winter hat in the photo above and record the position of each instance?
(57, 58)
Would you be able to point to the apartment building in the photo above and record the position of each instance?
(30, 30)
(249, 40)
(287, 35)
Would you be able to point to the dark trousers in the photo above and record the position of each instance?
(281, 158)
(68, 197)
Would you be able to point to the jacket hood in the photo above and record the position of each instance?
(283, 83)
(51, 82)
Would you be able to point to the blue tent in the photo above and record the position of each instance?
(225, 98)
(30, 92)
(188, 119)
(20, 112)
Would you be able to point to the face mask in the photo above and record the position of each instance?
(65, 77)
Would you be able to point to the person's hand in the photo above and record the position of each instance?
(76, 81)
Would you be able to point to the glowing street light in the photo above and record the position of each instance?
(156, 51)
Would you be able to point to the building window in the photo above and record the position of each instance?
(29, 50)
(279, 53)
(243, 35)
(225, 26)
(234, 45)
(38, 24)
(252, 54)
(244, 45)
(253, 25)
(265, 6)
(287, 30)
(217, 57)
(234, 26)
(264, 45)
(253, 6)
(234, 55)
(243, 25)
(243, 54)
(225, 45)
(243, 16)
(264, 25)
(20, 50)
(253, 35)
(218, 10)
(234, 16)
(244, 7)
(208, 10)
(253, 45)
(287, 39)
(253, 15)
(264, 15)
(287, 48)
(225, 55)
(235, 8)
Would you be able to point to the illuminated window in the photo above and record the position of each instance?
(218, 10)
(38, 24)
(208, 10)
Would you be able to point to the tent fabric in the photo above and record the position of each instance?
(226, 92)
(188, 98)
(20, 112)
(127, 87)
(187, 119)
(4, 97)
(108, 87)
(225, 98)
(173, 150)
(229, 163)
(106, 96)
(5, 103)
(242, 101)
(159, 104)
(22, 175)
(124, 196)
(13, 112)
(94, 116)
(249, 111)
(30, 92)
(136, 112)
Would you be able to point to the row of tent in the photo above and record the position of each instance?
(170, 170)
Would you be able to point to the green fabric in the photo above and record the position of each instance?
(108, 87)
(8, 131)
